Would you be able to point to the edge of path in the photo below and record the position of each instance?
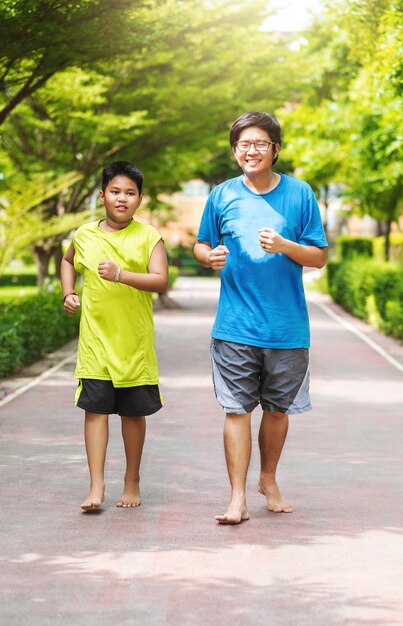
(391, 349)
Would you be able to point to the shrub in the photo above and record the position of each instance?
(173, 275)
(332, 267)
(353, 283)
(388, 293)
(349, 247)
(370, 290)
(393, 322)
(10, 348)
(18, 280)
(31, 327)
(183, 257)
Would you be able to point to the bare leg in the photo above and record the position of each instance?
(272, 435)
(133, 432)
(238, 446)
(96, 431)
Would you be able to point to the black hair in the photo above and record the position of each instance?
(122, 168)
(265, 121)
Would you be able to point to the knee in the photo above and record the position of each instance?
(275, 415)
(95, 417)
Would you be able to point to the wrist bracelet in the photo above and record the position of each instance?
(71, 293)
(117, 275)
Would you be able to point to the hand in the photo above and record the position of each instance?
(107, 269)
(71, 304)
(271, 241)
(217, 257)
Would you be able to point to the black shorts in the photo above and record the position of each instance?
(100, 396)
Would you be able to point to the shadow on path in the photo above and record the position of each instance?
(336, 560)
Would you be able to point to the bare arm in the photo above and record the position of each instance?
(309, 256)
(68, 275)
(210, 257)
(155, 280)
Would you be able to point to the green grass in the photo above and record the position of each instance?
(9, 291)
(21, 269)
(12, 293)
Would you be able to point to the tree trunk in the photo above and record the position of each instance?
(380, 229)
(387, 239)
(42, 256)
(57, 255)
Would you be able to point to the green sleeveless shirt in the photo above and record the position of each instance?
(116, 340)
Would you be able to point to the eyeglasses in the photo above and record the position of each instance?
(260, 145)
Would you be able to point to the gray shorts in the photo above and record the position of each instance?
(245, 376)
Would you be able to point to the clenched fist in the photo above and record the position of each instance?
(218, 257)
(107, 270)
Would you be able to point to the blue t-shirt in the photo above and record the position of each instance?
(262, 301)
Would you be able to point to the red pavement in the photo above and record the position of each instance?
(337, 560)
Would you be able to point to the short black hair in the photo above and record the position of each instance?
(122, 168)
(265, 121)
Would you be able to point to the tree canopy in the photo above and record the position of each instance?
(41, 37)
(348, 126)
(159, 82)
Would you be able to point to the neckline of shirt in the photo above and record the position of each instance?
(255, 193)
(111, 232)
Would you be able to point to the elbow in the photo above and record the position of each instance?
(322, 260)
(162, 285)
(196, 251)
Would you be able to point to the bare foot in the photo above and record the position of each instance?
(131, 495)
(93, 500)
(274, 499)
(235, 515)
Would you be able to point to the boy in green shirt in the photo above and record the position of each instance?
(123, 262)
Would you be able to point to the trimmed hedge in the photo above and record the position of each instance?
(370, 290)
(173, 275)
(349, 247)
(31, 327)
(18, 280)
(184, 259)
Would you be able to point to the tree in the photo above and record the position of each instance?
(346, 128)
(314, 144)
(39, 38)
(374, 112)
(55, 130)
(21, 224)
(154, 108)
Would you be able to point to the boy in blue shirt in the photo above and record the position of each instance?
(260, 229)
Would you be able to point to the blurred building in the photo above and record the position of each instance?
(187, 208)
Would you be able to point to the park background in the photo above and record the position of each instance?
(159, 82)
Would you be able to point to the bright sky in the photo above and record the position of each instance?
(292, 14)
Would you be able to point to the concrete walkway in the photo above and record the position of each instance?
(337, 560)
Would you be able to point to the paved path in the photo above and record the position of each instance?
(337, 560)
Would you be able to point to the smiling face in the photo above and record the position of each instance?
(253, 162)
(121, 199)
